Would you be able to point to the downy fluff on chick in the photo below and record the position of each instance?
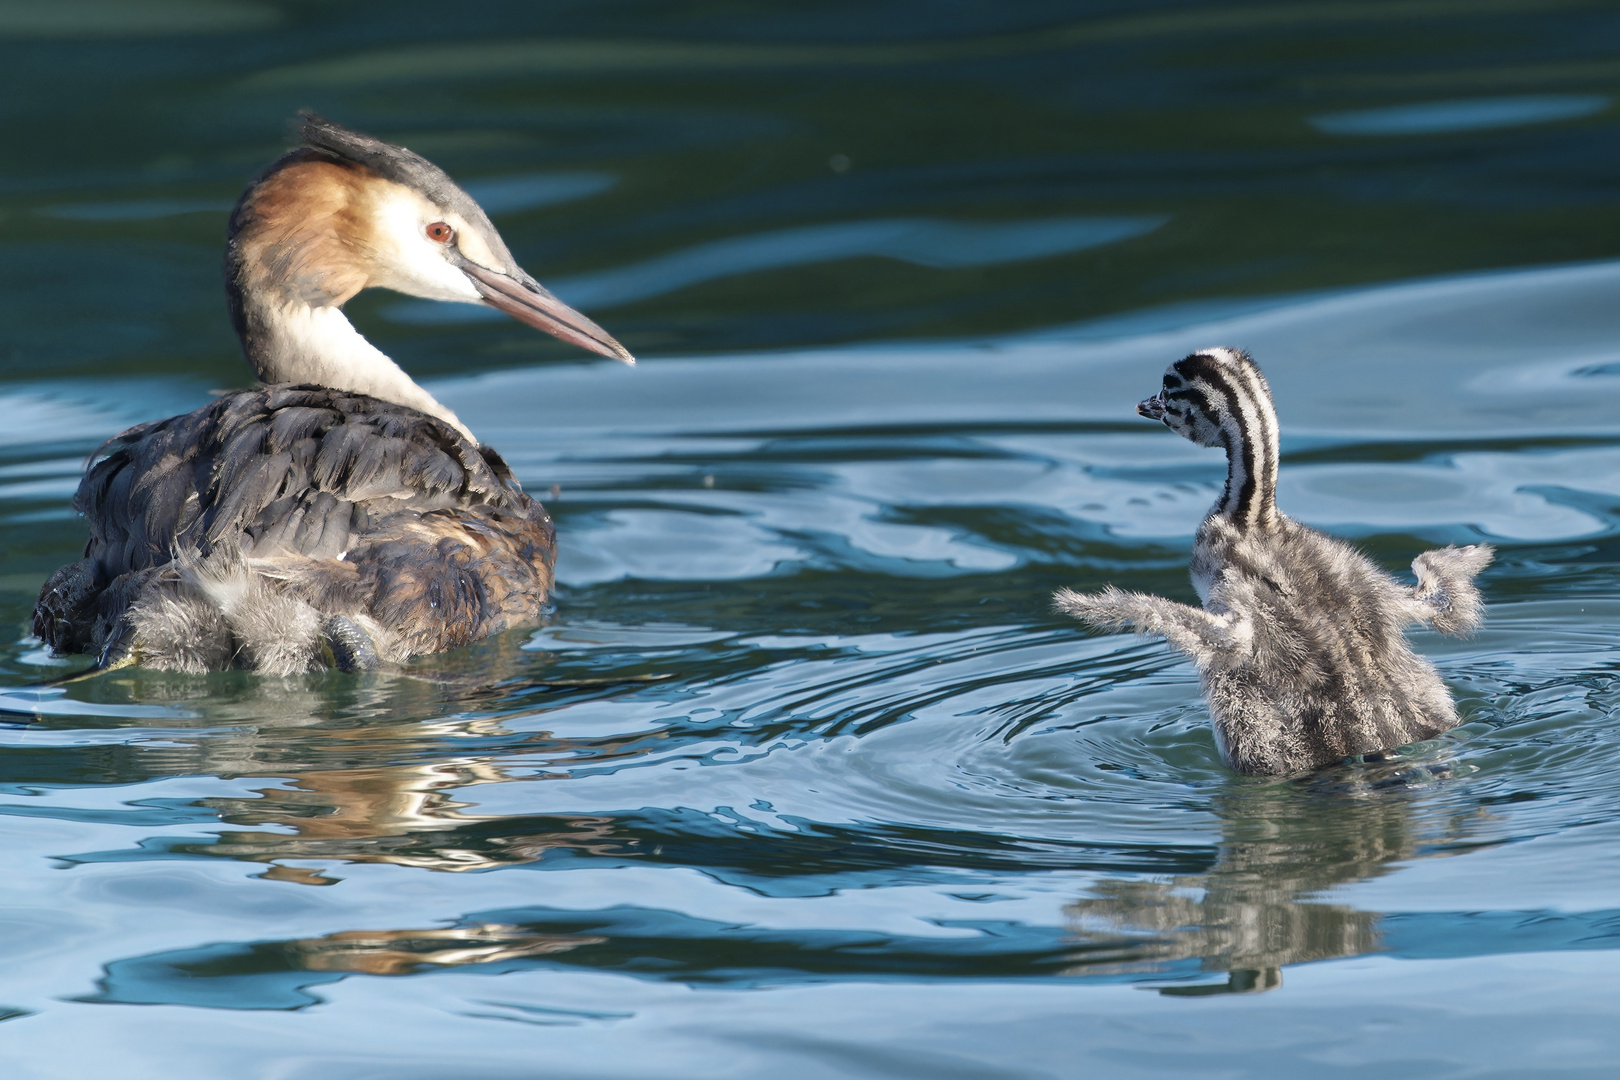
(1300, 644)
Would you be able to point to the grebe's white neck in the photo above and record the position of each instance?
(304, 239)
(295, 342)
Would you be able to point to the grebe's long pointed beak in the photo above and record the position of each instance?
(527, 301)
(1152, 408)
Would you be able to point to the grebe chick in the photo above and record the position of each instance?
(1299, 645)
(337, 514)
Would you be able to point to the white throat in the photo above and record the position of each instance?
(304, 344)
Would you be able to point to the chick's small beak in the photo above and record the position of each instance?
(1152, 408)
(527, 301)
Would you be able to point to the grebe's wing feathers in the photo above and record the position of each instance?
(1445, 596)
(1206, 638)
(280, 470)
(139, 495)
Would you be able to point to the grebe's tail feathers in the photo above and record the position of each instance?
(1446, 594)
(1203, 636)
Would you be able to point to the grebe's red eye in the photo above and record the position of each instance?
(440, 233)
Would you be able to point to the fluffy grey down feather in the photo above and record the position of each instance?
(1300, 644)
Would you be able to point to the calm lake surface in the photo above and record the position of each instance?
(802, 778)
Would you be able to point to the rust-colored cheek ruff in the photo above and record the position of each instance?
(305, 233)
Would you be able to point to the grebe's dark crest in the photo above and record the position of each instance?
(1300, 643)
(337, 514)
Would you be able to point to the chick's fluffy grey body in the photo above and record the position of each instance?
(1300, 644)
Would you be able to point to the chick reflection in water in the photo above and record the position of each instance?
(1257, 909)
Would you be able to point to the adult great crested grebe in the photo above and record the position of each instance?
(337, 514)
(1300, 645)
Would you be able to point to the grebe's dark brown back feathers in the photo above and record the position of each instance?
(357, 506)
(279, 470)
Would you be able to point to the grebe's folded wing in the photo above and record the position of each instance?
(278, 471)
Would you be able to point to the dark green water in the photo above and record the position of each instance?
(838, 796)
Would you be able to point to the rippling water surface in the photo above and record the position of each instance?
(802, 777)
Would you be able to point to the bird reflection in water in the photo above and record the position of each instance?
(400, 814)
(1257, 910)
(385, 771)
(406, 952)
(360, 780)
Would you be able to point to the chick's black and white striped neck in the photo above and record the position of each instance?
(1227, 389)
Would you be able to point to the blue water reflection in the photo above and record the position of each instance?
(802, 777)
(1473, 114)
(737, 766)
(921, 242)
(510, 194)
(135, 210)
